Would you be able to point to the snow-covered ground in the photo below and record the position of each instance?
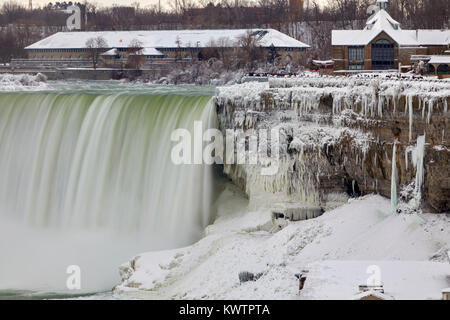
(336, 249)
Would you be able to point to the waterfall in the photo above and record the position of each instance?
(100, 163)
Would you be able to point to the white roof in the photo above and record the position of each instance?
(164, 38)
(320, 62)
(150, 52)
(439, 60)
(111, 52)
(383, 22)
(433, 37)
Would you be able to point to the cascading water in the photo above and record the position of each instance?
(87, 179)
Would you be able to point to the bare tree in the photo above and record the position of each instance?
(96, 46)
(135, 55)
(250, 50)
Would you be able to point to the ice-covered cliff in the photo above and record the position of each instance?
(338, 134)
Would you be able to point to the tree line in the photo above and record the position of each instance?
(21, 26)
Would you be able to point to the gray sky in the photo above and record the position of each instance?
(144, 3)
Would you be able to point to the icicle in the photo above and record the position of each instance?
(423, 108)
(394, 199)
(394, 100)
(406, 159)
(445, 104)
(410, 104)
(419, 154)
(353, 187)
(380, 106)
(430, 111)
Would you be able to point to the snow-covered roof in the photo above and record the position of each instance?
(323, 62)
(439, 60)
(150, 52)
(372, 293)
(433, 37)
(111, 52)
(383, 22)
(165, 38)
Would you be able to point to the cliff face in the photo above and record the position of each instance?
(338, 135)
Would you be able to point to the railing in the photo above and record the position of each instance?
(48, 63)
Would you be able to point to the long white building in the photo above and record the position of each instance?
(71, 46)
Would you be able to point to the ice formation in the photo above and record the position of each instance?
(394, 178)
(418, 159)
(18, 82)
(302, 104)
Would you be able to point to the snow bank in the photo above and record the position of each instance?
(402, 280)
(19, 82)
(359, 234)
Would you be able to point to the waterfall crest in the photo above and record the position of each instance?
(76, 161)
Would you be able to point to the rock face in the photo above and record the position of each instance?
(337, 135)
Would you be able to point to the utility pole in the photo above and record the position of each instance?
(85, 15)
(30, 4)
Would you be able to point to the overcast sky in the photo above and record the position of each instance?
(144, 3)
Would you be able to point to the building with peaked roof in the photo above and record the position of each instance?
(66, 48)
(382, 44)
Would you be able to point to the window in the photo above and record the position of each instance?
(443, 69)
(356, 53)
(356, 67)
(382, 55)
(356, 58)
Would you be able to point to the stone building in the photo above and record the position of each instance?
(383, 45)
(69, 48)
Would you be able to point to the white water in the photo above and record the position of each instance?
(87, 179)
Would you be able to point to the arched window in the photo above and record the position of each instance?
(443, 68)
(383, 41)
